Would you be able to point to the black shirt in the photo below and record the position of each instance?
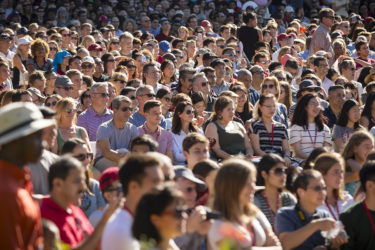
(249, 37)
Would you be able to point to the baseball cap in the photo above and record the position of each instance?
(63, 81)
(36, 92)
(282, 36)
(182, 171)
(309, 84)
(165, 46)
(24, 40)
(94, 46)
(108, 177)
(285, 58)
(289, 9)
(88, 59)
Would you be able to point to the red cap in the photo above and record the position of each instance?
(285, 58)
(94, 46)
(103, 18)
(283, 36)
(108, 177)
(205, 23)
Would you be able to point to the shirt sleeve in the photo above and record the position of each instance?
(102, 133)
(327, 134)
(284, 222)
(336, 132)
(169, 141)
(295, 134)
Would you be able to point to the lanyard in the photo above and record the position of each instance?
(251, 233)
(369, 216)
(330, 210)
(127, 209)
(270, 210)
(270, 138)
(316, 133)
(157, 132)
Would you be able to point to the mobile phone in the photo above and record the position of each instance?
(213, 215)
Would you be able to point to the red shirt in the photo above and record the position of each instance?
(74, 226)
(20, 223)
(368, 60)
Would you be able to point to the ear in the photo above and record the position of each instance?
(186, 154)
(300, 192)
(133, 186)
(155, 220)
(57, 183)
(264, 174)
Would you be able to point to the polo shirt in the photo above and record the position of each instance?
(332, 118)
(91, 121)
(162, 136)
(72, 223)
(218, 89)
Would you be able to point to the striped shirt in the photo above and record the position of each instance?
(270, 142)
(309, 139)
(91, 121)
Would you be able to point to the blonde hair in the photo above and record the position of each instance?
(85, 41)
(61, 107)
(277, 85)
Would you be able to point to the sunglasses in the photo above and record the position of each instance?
(121, 81)
(279, 171)
(89, 66)
(111, 60)
(265, 62)
(82, 157)
(53, 48)
(103, 94)
(222, 46)
(86, 96)
(66, 35)
(132, 97)
(69, 111)
(149, 95)
(66, 88)
(116, 43)
(330, 17)
(177, 212)
(319, 188)
(125, 109)
(49, 104)
(204, 84)
(131, 66)
(167, 99)
(231, 55)
(271, 86)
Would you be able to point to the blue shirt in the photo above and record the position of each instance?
(288, 220)
(138, 120)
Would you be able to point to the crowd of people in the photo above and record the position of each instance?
(187, 125)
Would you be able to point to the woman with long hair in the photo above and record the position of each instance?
(285, 95)
(182, 125)
(308, 130)
(51, 101)
(114, 44)
(165, 97)
(272, 174)
(19, 61)
(109, 64)
(168, 73)
(66, 116)
(119, 80)
(129, 63)
(53, 49)
(355, 153)
(368, 113)
(39, 57)
(346, 124)
(183, 33)
(267, 135)
(234, 194)
(228, 137)
(244, 108)
(332, 168)
(160, 216)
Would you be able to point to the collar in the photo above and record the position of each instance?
(324, 26)
(92, 111)
(50, 203)
(158, 130)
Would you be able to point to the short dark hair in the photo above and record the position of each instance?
(70, 144)
(176, 41)
(334, 88)
(359, 44)
(144, 140)
(291, 63)
(61, 168)
(148, 65)
(367, 173)
(344, 64)
(208, 69)
(151, 104)
(273, 65)
(207, 41)
(303, 179)
(318, 59)
(133, 169)
(192, 139)
(247, 15)
(127, 90)
(217, 62)
(267, 162)
(204, 168)
(36, 75)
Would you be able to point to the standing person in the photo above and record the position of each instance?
(272, 174)
(19, 61)
(308, 130)
(321, 40)
(249, 34)
(20, 226)
(359, 219)
(331, 166)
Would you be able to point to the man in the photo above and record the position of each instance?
(139, 174)
(76, 77)
(224, 31)
(5, 51)
(153, 115)
(283, 40)
(86, 29)
(321, 40)
(359, 219)
(37, 80)
(37, 97)
(363, 52)
(130, 93)
(65, 36)
(184, 82)
(88, 66)
(116, 24)
(245, 76)
(220, 85)
(143, 144)
(247, 32)
(200, 83)
(98, 112)
(179, 57)
(22, 124)
(152, 76)
(195, 149)
(98, 75)
(321, 68)
(126, 44)
(262, 60)
(66, 179)
(75, 63)
(145, 24)
(165, 30)
(63, 86)
(144, 93)
(210, 44)
(258, 76)
(192, 21)
(300, 226)
(114, 136)
(347, 69)
(336, 97)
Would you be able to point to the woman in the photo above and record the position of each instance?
(368, 113)
(139, 61)
(160, 216)
(53, 49)
(355, 153)
(39, 59)
(119, 81)
(346, 124)
(51, 101)
(168, 71)
(74, 37)
(109, 64)
(165, 97)
(85, 100)
(66, 116)
(267, 135)
(87, 41)
(182, 125)
(183, 33)
(234, 192)
(244, 109)
(114, 44)
(285, 95)
(308, 130)
(227, 136)
(199, 106)
(129, 63)
(272, 174)
(331, 166)
(19, 61)
(270, 85)
(92, 199)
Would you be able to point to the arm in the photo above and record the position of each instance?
(255, 142)
(18, 64)
(297, 150)
(85, 137)
(107, 152)
(260, 35)
(364, 121)
(211, 132)
(354, 174)
(339, 144)
(286, 150)
(249, 148)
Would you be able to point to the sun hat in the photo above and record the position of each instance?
(36, 92)
(21, 119)
(24, 40)
(182, 171)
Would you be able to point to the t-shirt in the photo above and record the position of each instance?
(342, 132)
(90, 203)
(118, 138)
(117, 234)
(358, 227)
(341, 206)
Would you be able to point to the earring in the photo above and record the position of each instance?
(220, 118)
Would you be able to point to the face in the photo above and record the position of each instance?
(362, 150)
(100, 97)
(35, 141)
(323, 68)
(242, 98)
(338, 48)
(88, 69)
(153, 74)
(337, 98)
(154, 176)
(220, 71)
(147, 95)
(82, 153)
(4, 73)
(354, 113)
(329, 20)
(76, 64)
(334, 176)
(69, 113)
(77, 82)
(313, 107)
(154, 115)
(188, 188)
(71, 189)
(198, 152)
(264, 62)
(126, 44)
(211, 77)
(315, 192)
(228, 112)
(124, 112)
(269, 87)
(276, 176)
(258, 75)
(364, 51)
(247, 193)
(187, 82)
(349, 72)
(268, 108)
(166, 101)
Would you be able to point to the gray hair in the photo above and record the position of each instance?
(116, 102)
(142, 88)
(95, 86)
(243, 72)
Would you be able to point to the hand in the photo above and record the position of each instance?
(338, 241)
(324, 224)
(114, 202)
(200, 121)
(196, 218)
(287, 161)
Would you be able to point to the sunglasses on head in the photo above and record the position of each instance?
(125, 109)
(121, 81)
(279, 171)
(82, 157)
(71, 110)
(103, 94)
(49, 104)
(266, 86)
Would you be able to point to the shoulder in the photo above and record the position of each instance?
(326, 128)
(296, 127)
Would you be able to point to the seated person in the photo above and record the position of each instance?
(143, 144)
(195, 149)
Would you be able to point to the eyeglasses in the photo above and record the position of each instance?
(83, 157)
(279, 171)
(49, 104)
(66, 88)
(149, 95)
(330, 17)
(103, 95)
(125, 109)
(88, 66)
(121, 81)
(222, 46)
(265, 62)
(53, 48)
(131, 66)
(319, 188)
(177, 212)
(270, 86)
(231, 55)
(69, 111)
(189, 111)
(86, 96)
(204, 84)
(116, 43)
(132, 97)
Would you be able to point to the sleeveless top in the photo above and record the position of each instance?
(61, 140)
(232, 142)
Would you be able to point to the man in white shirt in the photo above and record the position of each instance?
(5, 42)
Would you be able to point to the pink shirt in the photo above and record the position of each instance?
(162, 136)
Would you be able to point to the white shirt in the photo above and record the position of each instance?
(178, 156)
(341, 206)
(326, 84)
(117, 233)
